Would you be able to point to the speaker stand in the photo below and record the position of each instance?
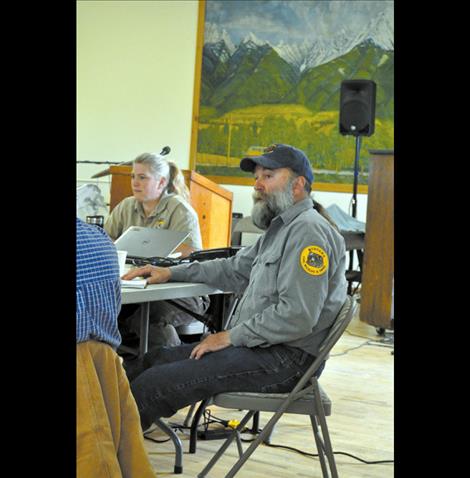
(354, 206)
(356, 174)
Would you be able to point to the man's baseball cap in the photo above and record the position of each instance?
(280, 156)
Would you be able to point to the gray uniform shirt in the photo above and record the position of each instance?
(292, 279)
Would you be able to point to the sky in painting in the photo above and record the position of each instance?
(273, 19)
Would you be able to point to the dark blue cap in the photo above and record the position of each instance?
(281, 156)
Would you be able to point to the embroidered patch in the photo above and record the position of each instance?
(314, 260)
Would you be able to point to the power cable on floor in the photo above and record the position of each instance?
(154, 440)
(375, 343)
(364, 337)
(315, 455)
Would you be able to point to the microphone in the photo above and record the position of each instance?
(165, 151)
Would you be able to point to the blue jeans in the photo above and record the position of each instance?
(166, 379)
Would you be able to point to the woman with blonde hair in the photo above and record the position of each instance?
(160, 199)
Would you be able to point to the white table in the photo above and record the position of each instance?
(154, 292)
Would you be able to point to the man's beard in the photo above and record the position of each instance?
(267, 206)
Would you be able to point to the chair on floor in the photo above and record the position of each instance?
(220, 309)
(307, 398)
(191, 332)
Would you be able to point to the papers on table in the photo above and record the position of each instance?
(134, 283)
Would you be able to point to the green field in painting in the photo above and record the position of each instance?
(235, 171)
(223, 140)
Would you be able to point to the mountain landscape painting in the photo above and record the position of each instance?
(271, 73)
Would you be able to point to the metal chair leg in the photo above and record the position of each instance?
(320, 446)
(189, 415)
(225, 445)
(176, 441)
(194, 425)
(320, 413)
(255, 426)
(267, 429)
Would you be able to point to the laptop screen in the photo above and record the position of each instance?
(148, 242)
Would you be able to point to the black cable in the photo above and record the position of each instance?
(354, 292)
(156, 441)
(349, 350)
(98, 162)
(377, 462)
(315, 455)
(377, 343)
(364, 337)
(209, 418)
(154, 261)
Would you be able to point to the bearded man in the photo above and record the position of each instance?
(293, 284)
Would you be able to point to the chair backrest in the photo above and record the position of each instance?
(236, 239)
(244, 225)
(339, 325)
(335, 331)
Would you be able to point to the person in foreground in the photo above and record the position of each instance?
(109, 434)
(160, 200)
(293, 284)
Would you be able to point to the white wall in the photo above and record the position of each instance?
(242, 201)
(135, 79)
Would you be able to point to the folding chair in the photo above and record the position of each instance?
(221, 308)
(307, 398)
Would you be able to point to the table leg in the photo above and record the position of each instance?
(144, 328)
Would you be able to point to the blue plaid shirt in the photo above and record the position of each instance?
(98, 286)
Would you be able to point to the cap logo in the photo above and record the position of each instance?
(270, 148)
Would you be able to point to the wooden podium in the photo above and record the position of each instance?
(377, 274)
(120, 185)
(212, 203)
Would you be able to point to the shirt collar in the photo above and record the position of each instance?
(159, 208)
(291, 213)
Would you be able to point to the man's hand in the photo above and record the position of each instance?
(153, 274)
(211, 343)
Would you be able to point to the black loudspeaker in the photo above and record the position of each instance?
(357, 107)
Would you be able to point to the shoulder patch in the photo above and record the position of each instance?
(314, 260)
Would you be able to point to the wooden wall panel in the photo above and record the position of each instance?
(378, 265)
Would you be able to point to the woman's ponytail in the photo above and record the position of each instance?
(176, 184)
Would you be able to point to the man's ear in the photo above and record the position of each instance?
(299, 186)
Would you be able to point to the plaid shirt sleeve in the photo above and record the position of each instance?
(98, 286)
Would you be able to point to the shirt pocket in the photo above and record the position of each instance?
(267, 271)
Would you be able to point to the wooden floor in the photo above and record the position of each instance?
(360, 385)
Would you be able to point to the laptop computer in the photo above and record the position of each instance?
(147, 242)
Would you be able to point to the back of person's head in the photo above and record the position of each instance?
(161, 168)
(322, 211)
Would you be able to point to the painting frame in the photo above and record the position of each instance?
(236, 180)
